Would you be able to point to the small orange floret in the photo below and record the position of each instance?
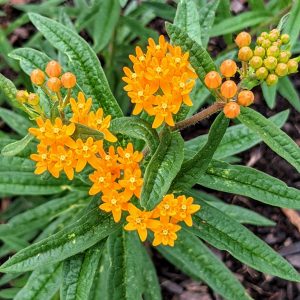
(245, 98)
(228, 89)
(53, 69)
(37, 77)
(54, 84)
(231, 110)
(228, 68)
(243, 39)
(68, 80)
(213, 80)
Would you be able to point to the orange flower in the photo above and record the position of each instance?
(39, 132)
(62, 160)
(110, 160)
(115, 202)
(140, 60)
(128, 157)
(158, 50)
(168, 207)
(101, 123)
(80, 109)
(42, 159)
(85, 152)
(103, 180)
(185, 209)
(139, 220)
(131, 78)
(132, 182)
(165, 233)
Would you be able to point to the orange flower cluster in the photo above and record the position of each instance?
(161, 80)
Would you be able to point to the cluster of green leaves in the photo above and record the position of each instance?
(67, 248)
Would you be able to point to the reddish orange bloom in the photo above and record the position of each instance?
(115, 202)
(80, 109)
(139, 220)
(132, 182)
(128, 157)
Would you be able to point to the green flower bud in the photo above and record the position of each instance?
(273, 51)
(282, 69)
(264, 35)
(259, 51)
(270, 62)
(273, 37)
(275, 32)
(285, 38)
(292, 66)
(277, 43)
(261, 73)
(266, 44)
(33, 99)
(284, 56)
(256, 62)
(271, 79)
(245, 53)
(260, 40)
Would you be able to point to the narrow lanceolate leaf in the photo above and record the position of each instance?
(136, 128)
(84, 132)
(237, 138)
(192, 257)
(93, 227)
(276, 139)
(15, 148)
(288, 91)
(89, 72)
(292, 26)
(79, 272)
(17, 178)
(199, 57)
(30, 59)
(193, 169)
(251, 183)
(42, 214)
(162, 169)
(224, 233)
(42, 284)
(187, 18)
(269, 93)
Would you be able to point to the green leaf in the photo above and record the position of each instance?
(207, 18)
(84, 132)
(162, 169)
(187, 18)
(41, 214)
(292, 26)
(192, 257)
(251, 183)
(257, 4)
(276, 139)
(89, 72)
(288, 91)
(237, 139)
(224, 233)
(30, 59)
(15, 121)
(79, 272)
(42, 284)
(93, 227)
(15, 148)
(239, 22)
(137, 128)
(199, 57)
(194, 168)
(9, 293)
(269, 93)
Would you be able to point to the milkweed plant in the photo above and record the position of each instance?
(118, 185)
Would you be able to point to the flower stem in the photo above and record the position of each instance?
(203, 114)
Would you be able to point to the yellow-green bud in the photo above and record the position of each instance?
(284, 56)
(271, 79)
(266, 43)
(22, 96)
(264, 35)
(292, 66)
(270, 62)
(277, 43)
(285, 38)
(259, 51)
(33, 99)
(275, 32)
(260, 40)
(256, 62)
(261, 73)
(282, 69)
(273, 51)
(245, 53)
(273, 37)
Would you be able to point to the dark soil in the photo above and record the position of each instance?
(284, 237)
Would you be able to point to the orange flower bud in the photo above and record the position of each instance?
(228, 89)
(228, 68)
(22, 96)
(54, 84)
(33, 99)
(53, 69)
(68, 80)
(231, 110)
(243, 39)
(245, 54)
(213, 80)
(245, 98)
(37, 77)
